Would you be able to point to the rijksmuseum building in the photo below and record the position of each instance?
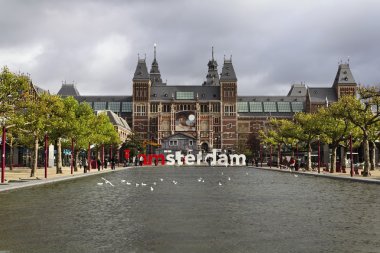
(210, 115)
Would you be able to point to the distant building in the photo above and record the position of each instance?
(211, 114)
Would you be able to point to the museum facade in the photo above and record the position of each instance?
(210, 115)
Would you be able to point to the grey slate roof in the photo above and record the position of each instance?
(166, 93)
(319, 95)
(39, 90)
(270, 99)
(117, 121)
(298, 90)
(141, 72)
(344, 76)
(104, 98)
(68, 90)
(228, 72)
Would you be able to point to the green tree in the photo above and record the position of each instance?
(364, 113)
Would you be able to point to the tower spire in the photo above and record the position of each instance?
(212, 52)
(155, 45)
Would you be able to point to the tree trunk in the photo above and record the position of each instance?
(333, 159)
(35, 158)
(344, 162)
(279, 157)
(308, 163)
(366, 157)
(59, 156)
(372, 155)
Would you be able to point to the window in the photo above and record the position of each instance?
(126, 107)
(99, 106)
(216, 107)
(229, 110)
(270, 107)
(216, 120)
(185, 95)
(140, 110)
(153, 107)
(185, 107)
(114, 106)
(229, 125)
(166, 108)
(255, 106)
(204, 108)
(283, 107)
(190, 142)
(173, 143)
(297, 106)
(242, 107)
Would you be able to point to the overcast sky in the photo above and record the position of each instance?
(273, 43)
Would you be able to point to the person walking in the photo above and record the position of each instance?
(141, 160)
(113, 162)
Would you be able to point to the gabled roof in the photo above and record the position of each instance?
(344, 76)
(298, 90)
(141, 72)
(115, 119)
(319, 95)
(68, 90)
(39, 90)
(228, 72)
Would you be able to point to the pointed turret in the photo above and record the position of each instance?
(212, 77)
(344, 83)
(228, 72)
(141, 72)
(155, 75)
(344, 76)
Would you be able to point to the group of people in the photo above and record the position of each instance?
(98, 163)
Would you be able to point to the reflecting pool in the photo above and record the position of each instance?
(205, 209)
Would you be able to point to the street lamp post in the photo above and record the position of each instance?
(261, 155)
(102, 156)
(72, 156)
(3, 152)
(351, 157)
(46, 153)
(270, 161)
(319, 155)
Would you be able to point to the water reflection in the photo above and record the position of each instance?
(260, 212)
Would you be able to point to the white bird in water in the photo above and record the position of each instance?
(107, 182)
(220, 184)
(100, 183)
(151, 188)
(161, 179)
(154, 183)
(128, 183)
(142, 184)
(175, 182)
(203, 181)
(229, 179)
(222, 173)
(123, 181)
(137, 185)
(199, 179)
(296, 175)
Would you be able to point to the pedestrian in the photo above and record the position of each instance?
(113, 162)
(136, 160)
(105, 163)
(141, 160)
(98, 164)
(292, 163)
